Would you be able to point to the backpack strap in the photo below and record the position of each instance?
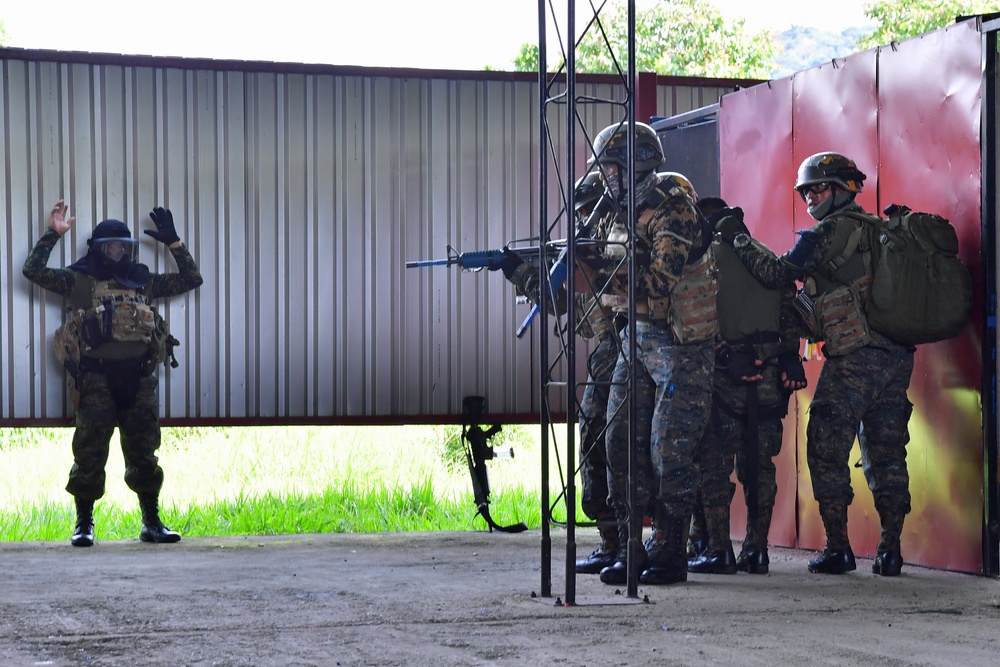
(853, 243)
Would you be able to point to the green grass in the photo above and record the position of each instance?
(276, 481)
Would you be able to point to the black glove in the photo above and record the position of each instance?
(510, 263)
(738, 363)
(729, 223)
(164, 221)
(790, 363)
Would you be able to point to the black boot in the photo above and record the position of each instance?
(83, 534)
(698, 533)
(837, 557)
(888, 563)
(753, 560)
(719, 557)
(153, 529)
(667, 555)
(604, 555)
(833, 561)
(617, 573)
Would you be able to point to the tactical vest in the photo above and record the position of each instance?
(837, 291)
(106, 321)
(745, 306)
(691, 307)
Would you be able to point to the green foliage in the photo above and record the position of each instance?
(807, 47)
(527, 59)
(672, 37)
(3, 34)
(277, 480)
(898, 19)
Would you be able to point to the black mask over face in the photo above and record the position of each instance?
(101, 267)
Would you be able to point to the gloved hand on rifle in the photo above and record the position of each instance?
(793, 374)
(509, 264)
(165, 232)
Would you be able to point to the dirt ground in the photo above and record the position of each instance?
(463, 598)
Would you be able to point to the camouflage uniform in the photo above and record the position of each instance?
(595, 323)
(760, 324)
(861, 393)
(98, 411)
(674, 390)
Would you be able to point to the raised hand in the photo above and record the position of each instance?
(58, 220)
(165, 231)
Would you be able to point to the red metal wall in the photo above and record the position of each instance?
(909, 115)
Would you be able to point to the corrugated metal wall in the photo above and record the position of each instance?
(301, 194)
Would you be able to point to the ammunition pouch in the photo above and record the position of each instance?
(842, 321)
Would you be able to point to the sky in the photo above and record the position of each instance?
(434, 34)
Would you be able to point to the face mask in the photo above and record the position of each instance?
(839, 200)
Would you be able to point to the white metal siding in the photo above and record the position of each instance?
(300, 194)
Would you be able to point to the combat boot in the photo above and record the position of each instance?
(753, 556)
(837, 557)
(889, 560)
(719, 558)
(604, 555)
(667, 555)
(753, 560)
(83, 534)
(153, 529)
(698, 533)
(617, 572)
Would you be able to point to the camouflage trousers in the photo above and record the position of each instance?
(727, 440)
(673, 405)
(593, 422)
(97, 415)
(862, 394)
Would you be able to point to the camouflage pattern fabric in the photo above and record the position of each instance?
(674, 398)
(862, 393)
(61, 281)
(662, 249)
(138, 430)
(107, 401)
(593, 421)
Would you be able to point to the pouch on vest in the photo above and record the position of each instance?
(125, 314)
(692, 310)
(842, 321)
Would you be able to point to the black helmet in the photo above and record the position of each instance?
(611, 146)
(830, 168)
(589, 189)
(112, 241)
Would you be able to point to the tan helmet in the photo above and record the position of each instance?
(672, 180)
(611, 146)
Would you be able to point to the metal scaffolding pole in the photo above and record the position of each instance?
(559, 388)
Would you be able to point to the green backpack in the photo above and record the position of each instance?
(921, 292)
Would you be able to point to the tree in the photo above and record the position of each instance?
(3, 35)
(899, 19)
(672, 37)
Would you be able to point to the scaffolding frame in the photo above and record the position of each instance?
(557, 357)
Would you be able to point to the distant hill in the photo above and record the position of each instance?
(806, 47)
